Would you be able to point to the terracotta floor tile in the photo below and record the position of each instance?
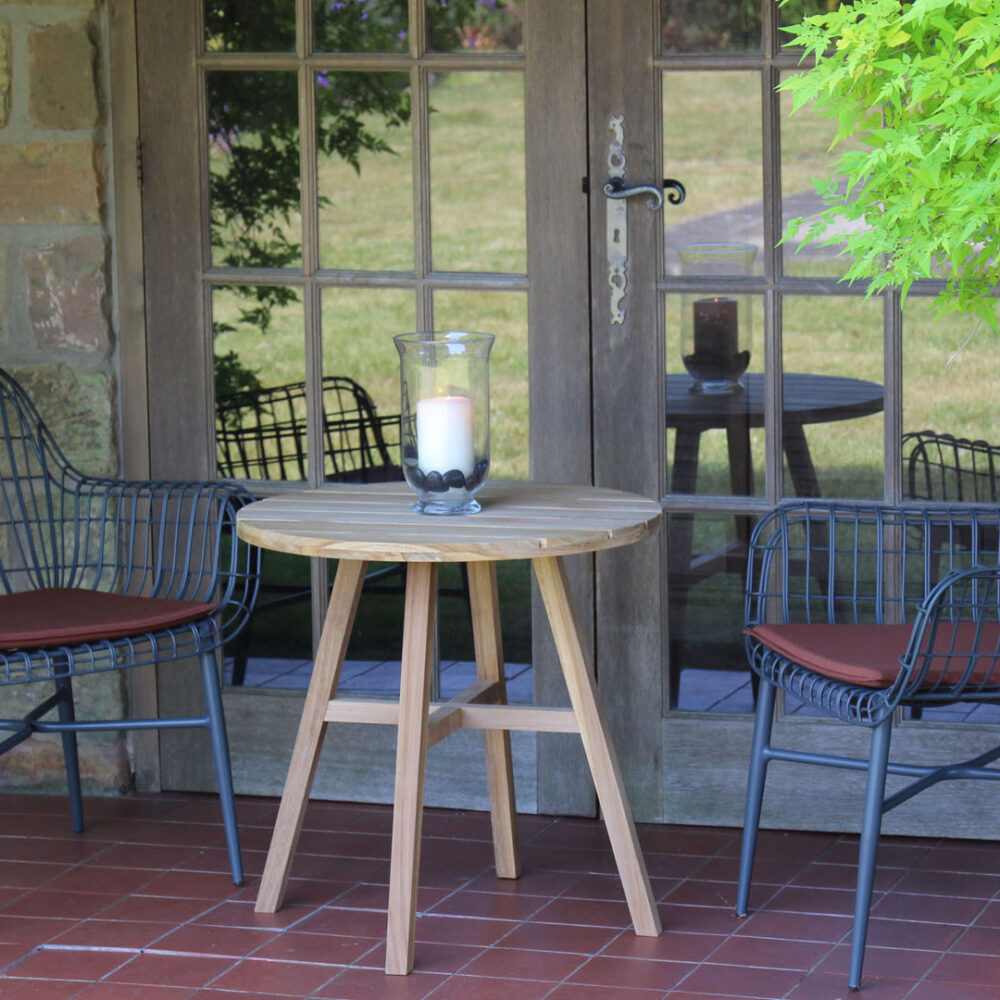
(563, 937)
(576, 991)
(499, 905)
(429, 956)
(170, 970)
(602, 913)
(319, 949)
(98, 933)
(43, 903)
(234, 913)
(770, 953)
(737, 981)
(35, 989)
(826, 986)
(374, 984)
(465, 987)
(201, 939)
(936, 909)
(632, 972)
(911, 934)
(353, 923)
(461, 930)
(513, 963)
(893, 963)
(671, 946)
(28, 874)
(280, 979)
(978, 941)
(949, 883)
(928, 990)
(32, 931)
(69, 964)
(125, 991)
(975, 969)
(95, 878)
(155, 908)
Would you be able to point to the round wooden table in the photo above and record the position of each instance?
(540, 522)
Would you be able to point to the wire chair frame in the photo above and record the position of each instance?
(931, 572)
(261, 434)
(63, 532)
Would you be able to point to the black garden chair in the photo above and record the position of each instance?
(855, 610)
(100, 574)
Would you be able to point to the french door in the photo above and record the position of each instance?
(459, 169)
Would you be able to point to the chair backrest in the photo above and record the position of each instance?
(840, 562)
(35, 548)
(943, 467)
(261, 434)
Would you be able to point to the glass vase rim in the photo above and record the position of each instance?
(444, 337)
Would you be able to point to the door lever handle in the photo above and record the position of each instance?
(615, 188)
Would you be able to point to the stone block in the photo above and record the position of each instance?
(5, 72)
(67, 295)
(51, 182)
(63, 85)
(77, 404)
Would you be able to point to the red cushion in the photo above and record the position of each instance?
(868, 655)
(57, 616)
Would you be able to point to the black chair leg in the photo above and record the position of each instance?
(67, 713)
(223, 768)
(762, 726)
(871, 827)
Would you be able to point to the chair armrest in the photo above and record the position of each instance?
(157, 538)
(954, 647)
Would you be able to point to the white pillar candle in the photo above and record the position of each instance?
(444, 434)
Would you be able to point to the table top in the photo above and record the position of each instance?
(808, 399)
(519, 520)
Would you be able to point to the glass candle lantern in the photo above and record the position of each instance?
(445, 418)
(716, 330)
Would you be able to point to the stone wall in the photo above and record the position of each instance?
(56, 321)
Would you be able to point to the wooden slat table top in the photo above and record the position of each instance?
(519, 520)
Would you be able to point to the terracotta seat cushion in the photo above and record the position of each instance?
(868, 655)
(57, 616)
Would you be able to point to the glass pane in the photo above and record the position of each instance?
(250, 25)
(712, 145)
(253, 161)
(715, 439)
(475, 25)
(477, 172)
(710, 25)
(365, 171)
(833, 379)
(794, 11)
(949, 394)
(806, 160)
(707, 565)
(274, 650)
(259, 339)
(361, 25)
(358, 327)
(503, 314)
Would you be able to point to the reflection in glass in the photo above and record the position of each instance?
(259, 391)
(478, 203)
(949, 389)
(253, 162)
(250, 25)
(833, 397)
(364, 171)
(707, 566)
(711, 25)
(794, 11)
(504, 314)
(475, 25)
(715, 442)
(712, 144)
(361, 25)
(358, 327)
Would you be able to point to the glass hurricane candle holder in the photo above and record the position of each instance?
(716, 331)
(445, 418)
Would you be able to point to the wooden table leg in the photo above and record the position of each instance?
(322, 686)
(411, 754)
(551, 576)
(490, 667)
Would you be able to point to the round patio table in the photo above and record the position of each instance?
(543, 523)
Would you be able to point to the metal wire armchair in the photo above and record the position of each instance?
(940, 466)
(101, 574)
(856, 609)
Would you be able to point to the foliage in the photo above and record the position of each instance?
(917, 84)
